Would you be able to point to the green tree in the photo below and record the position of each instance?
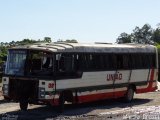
(139, 35)
(124, 38)
(3, 54)
(13, 43)
(143, 35)
(2, 44)
(156, 35)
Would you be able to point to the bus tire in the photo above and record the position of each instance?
(129, 94)
(61, 103)
(23, 105)
(7, 98)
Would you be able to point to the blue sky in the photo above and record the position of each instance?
(84, 20)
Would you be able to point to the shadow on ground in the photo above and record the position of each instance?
(48, 112)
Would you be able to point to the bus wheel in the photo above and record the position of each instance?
(61, 103)
(7, 98)
(129, 94)
(23, 105)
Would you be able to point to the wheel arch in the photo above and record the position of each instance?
(67, 94)
(133, 86)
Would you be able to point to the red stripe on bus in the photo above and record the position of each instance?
(94, 97)
(152, 75)
(149, 88)
(109, 95)
(101, 96)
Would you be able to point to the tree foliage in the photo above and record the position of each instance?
(144, 35)
(124, 38)
(5, 45)
(3, 54)
(156, 35)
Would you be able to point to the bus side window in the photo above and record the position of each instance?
(83, 62)
(119, 61)
(108, 62)
(47, 62)
(152, 61)
(133, 61)
(126, 61)
(68, 62)
(62, 64)
(68, 66)
(145, 59)
(36, 64)
(114, 62)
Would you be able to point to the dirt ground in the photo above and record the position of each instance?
(89, 111)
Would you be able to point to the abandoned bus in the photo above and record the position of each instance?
(56, 73)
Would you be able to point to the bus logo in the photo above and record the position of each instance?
(116, 76)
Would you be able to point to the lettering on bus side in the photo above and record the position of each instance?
(116, 76)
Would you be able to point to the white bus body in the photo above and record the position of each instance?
(80, 73)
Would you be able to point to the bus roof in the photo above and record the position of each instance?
(90, 48)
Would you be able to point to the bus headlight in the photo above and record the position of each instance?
(5, 86)
(42, 90)
(41, 93)
(5, 89)
(5, 92)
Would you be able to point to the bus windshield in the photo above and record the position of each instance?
(15, 62)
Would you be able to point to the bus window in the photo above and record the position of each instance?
(68, 66)
(126, 61)
(41, 63)
(145, 59)
(69, 63)
(108, 63)
(152, 61)
(113, 60)
(65, 63)
(119, 61)
(16, 62)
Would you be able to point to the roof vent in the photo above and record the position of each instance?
(103, 43)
